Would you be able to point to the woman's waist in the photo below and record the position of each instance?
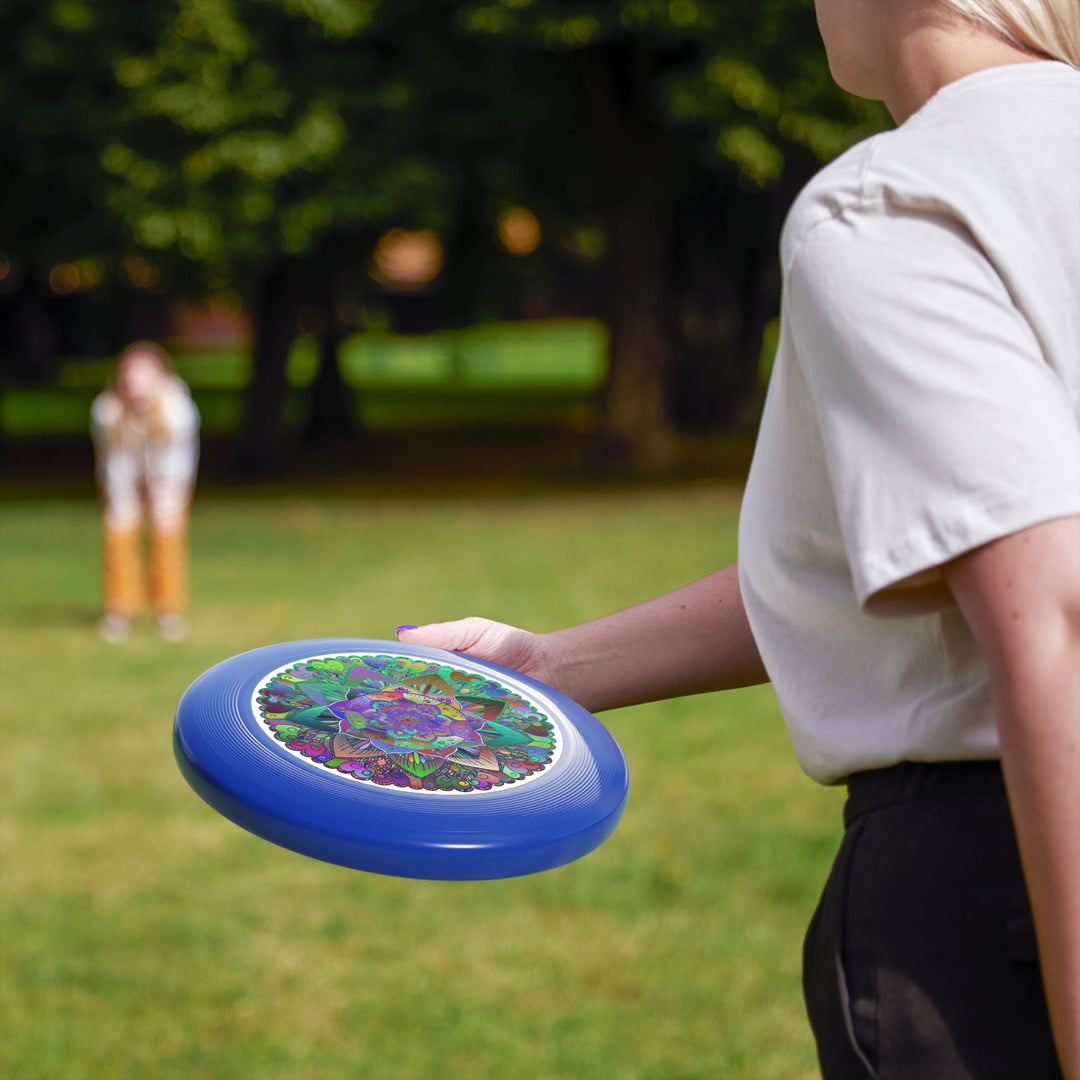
(915, 781)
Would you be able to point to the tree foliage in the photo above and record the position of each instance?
(263, 145)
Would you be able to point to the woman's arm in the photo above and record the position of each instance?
(1021, 598)
(689, 641)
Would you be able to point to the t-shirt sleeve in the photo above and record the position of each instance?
(943, 424)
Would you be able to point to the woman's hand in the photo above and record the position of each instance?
(531, 654)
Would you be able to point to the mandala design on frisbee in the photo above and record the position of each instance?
(407, 723)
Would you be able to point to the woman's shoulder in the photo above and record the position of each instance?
(832, 191)
(106, 410)
(997, 142)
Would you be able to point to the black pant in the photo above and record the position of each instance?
(920, 961)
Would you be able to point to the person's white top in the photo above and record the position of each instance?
(146, 463)
(925, 400)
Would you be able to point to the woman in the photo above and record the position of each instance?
(909, 574)
(145, 430)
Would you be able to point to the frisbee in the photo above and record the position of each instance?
(400, 759)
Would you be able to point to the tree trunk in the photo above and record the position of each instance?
(35, 337)
(635, 190)
(727, 285)
(262, 444)
(331, 415)
(636, 419)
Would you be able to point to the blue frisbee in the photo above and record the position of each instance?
(400, 759)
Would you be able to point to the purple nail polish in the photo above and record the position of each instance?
(398, 629)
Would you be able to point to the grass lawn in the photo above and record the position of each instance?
(143, 936)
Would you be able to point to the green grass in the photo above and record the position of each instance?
(144, 936)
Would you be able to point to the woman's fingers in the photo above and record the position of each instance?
(461, 635)
(509, 646)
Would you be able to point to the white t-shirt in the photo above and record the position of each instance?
(925, 400)
(145, 463)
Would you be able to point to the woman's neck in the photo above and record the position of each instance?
(930, 53)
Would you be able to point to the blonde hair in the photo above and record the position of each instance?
(1048, 27)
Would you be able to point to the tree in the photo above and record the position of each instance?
(276, 140)
(686, 106)
(262, 146)
(59, 108)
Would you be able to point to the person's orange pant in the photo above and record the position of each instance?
(124, 584)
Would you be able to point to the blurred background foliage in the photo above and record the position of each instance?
(333, 168)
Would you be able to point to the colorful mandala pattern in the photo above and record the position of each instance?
(407, 723)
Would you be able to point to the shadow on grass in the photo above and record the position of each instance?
(417, 464)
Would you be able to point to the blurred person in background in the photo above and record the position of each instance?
(909, 549)
(146, 437)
